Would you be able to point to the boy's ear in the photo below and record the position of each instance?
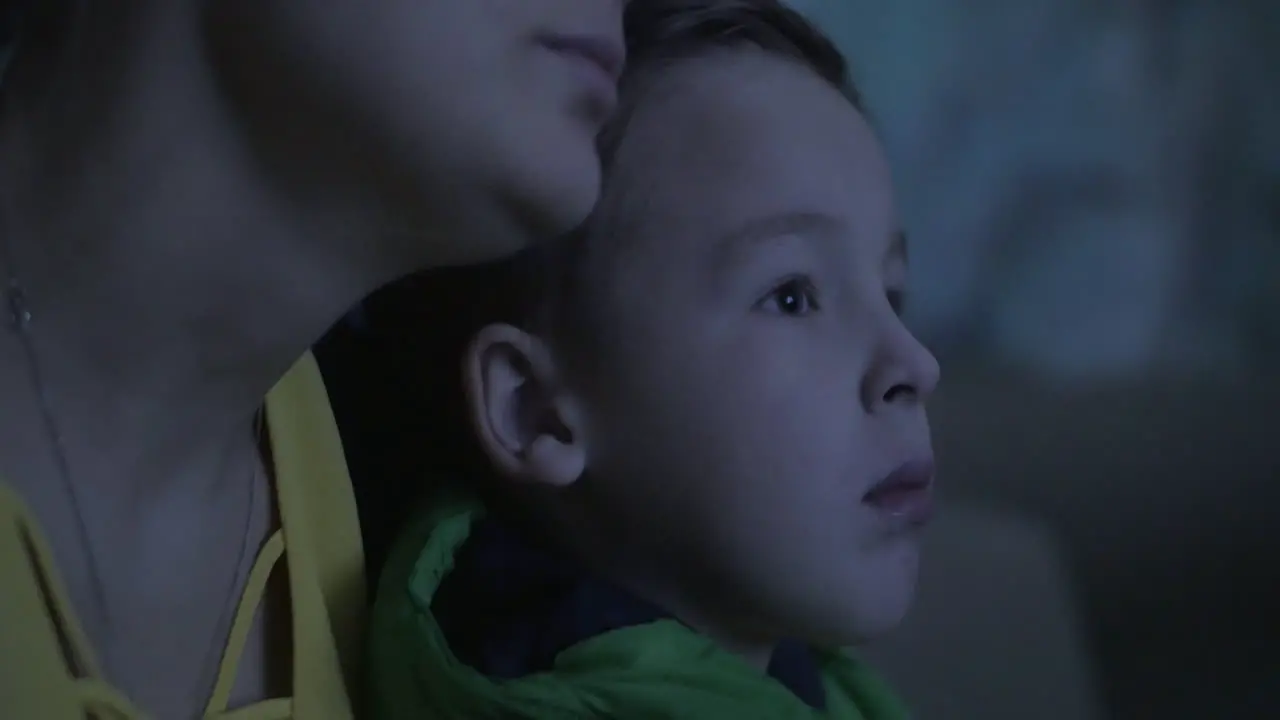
(525, 421)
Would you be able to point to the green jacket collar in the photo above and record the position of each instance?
(659, 671)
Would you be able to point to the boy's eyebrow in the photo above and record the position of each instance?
(767, 227)
(797, 222)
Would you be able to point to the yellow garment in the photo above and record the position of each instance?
(319, 537)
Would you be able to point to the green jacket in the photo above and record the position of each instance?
(656, 671)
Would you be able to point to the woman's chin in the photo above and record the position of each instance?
(558, 192)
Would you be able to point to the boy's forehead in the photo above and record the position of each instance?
(734, 137)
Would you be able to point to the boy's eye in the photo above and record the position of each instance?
(796, 297)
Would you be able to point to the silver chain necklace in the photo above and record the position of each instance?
(20, 320)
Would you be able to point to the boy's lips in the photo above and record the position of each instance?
(905, 496)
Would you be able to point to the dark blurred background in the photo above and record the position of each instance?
(1092, 191)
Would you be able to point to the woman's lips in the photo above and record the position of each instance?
(596, 61)
(607, 55)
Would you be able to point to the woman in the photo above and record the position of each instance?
(191, 192)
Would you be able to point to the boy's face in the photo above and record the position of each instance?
(749, 379)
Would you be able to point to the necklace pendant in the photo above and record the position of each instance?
(19, 315)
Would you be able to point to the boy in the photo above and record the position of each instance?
(703, 419)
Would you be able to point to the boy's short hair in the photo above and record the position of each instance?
(663, 32)
(421, 326)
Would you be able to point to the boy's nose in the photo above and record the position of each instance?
(905, 372)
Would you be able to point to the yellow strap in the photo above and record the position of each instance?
(37, 597)
(326, 560)
(104, 702)
(90, 696)
(274, 709)
(35, 663)
(63, 615)
(326, 582)
(250, 602)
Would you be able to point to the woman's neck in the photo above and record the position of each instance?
(170, 282)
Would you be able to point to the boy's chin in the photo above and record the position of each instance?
(881, 596)
(884, 621)
(866, 627)
(869, 616)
